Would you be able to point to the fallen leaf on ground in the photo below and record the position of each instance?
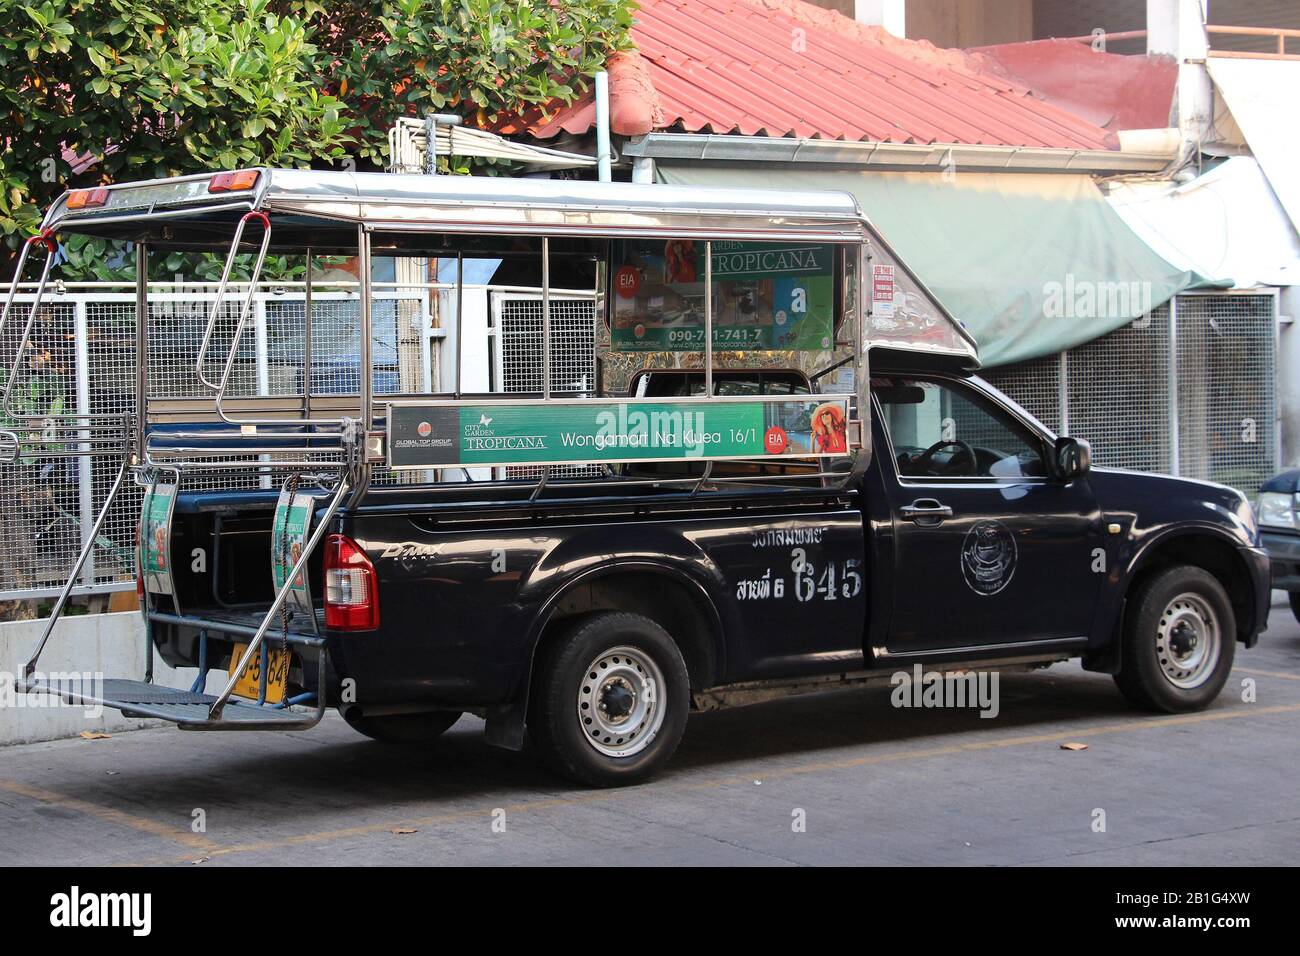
(202, 859)
(1074, 746)
(405, 830)
(94, 735)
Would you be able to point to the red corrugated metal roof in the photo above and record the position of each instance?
(1114, 91)
(787, 68)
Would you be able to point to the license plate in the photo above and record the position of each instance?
(250, 681)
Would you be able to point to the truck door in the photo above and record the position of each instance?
(989, 549)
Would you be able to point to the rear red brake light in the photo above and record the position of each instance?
(351, 587)
(238, 182)
(87, 198)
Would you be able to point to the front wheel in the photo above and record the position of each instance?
(1178, 641)
(610, 699)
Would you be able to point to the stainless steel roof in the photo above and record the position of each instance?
(290, 186)
(324, 207)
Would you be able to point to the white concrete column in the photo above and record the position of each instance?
(1177, 28)
(890, 14)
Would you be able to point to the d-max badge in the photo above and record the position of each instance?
(988, 557)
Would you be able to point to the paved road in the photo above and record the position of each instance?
(877, 785)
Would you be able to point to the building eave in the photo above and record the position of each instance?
(907, 156)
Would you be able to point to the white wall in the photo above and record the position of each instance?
(111, 645)
(890, 14)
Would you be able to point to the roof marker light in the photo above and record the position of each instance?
(237, 182)
(87, 198)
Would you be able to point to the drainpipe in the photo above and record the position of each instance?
(602, 126)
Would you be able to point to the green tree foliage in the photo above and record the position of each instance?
(152, 88)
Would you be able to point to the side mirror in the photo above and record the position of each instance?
(1073, 458)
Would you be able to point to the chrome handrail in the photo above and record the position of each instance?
(221, 292)
(51, 248)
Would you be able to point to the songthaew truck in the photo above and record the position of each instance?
(775, 472)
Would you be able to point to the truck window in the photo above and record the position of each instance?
(674, 383)
(942, 429)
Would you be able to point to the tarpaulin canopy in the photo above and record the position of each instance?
(1261, 95)
(1227, 224)
(1031, 264)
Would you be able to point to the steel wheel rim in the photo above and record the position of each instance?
(619, 702)
(1188, 641)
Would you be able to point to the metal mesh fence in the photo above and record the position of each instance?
(1036, 385)
(1120, 395)
(1226, 386)
(40, 521)
(82, 359)
(573, 344)
(518, 318)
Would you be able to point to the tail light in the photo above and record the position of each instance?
(351, 591)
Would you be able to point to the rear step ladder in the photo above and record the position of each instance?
(103, 435)
(189, 709)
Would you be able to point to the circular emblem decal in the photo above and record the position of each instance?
(424, 429)
(627, 282)
(775, 440)
(988, 557)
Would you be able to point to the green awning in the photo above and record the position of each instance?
(1031, 264)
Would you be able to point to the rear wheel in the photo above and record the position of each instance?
(1178, 641)
(610, 699)
(402, 728)
(1294, 597)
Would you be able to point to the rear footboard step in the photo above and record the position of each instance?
(184, 708)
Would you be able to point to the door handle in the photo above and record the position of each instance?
(926, 511)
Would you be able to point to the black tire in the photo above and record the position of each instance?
(624, 652)
(1164, 610)
(401, 728)
(1294, 597)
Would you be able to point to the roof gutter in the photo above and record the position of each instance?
(895, 156)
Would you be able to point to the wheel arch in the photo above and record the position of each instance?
(679, 603)
(1207, 548)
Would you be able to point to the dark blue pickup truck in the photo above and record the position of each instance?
(674, 527)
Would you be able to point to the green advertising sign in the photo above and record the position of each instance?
(569, 431)
(289, 528)
(155, 537)
(766, 295)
